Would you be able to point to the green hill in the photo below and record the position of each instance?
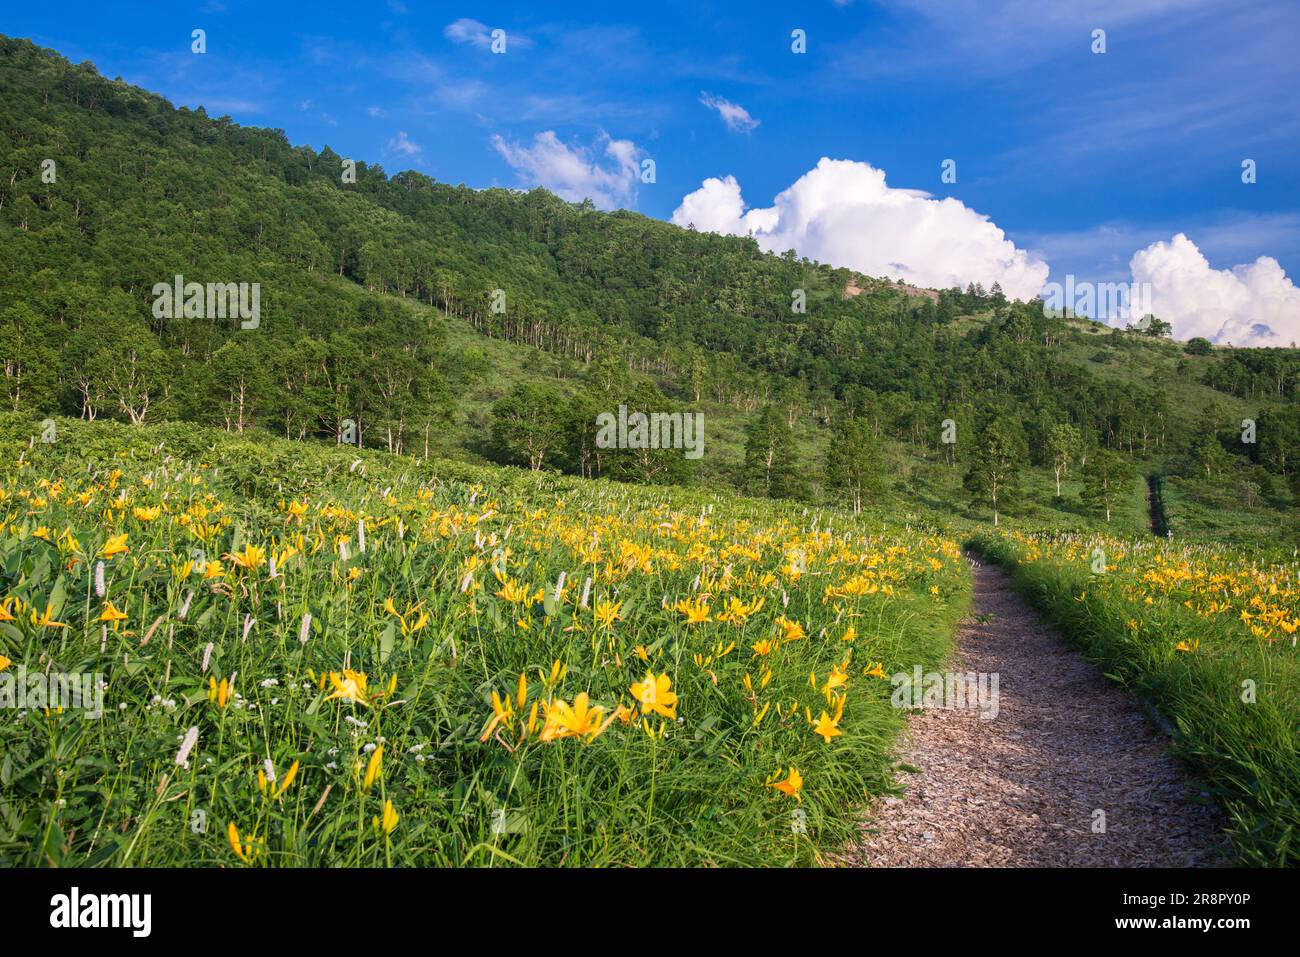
(397, 312)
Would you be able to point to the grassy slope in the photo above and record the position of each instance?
(696, 795)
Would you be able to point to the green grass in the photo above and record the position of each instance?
(652, 791)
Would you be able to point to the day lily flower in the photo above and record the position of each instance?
(46, 618)
(838, 678)
(249, 559)
(791, 786)
(351, 686)
(219, 694)
(284, 785)
(244, 850)
(111, 614)
(502, 713)
(696, 610)
(654, 695)
(580, 719)
(608, 612)
(826, 727)
(373, 769)
(791, 630)
(5, 662)
(116, 545)
(389, 821)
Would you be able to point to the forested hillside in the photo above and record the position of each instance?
(391, 305)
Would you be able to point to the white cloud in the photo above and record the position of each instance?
(575, 173)
(376, 111)
(734, 115)
(402, 144)
(1254, 304)
(843, 213)
(468, 30)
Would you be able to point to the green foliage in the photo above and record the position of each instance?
(528, 424)
(1106, 481)
(771, 466)
(853, 461)
(994, 473)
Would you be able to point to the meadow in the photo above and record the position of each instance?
(1206, 634)
(318, 656)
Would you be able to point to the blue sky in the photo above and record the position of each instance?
(1081, 158)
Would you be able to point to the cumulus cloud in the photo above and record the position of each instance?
(575, 173)
(734, 115)
(1254, 304)
(842, 212)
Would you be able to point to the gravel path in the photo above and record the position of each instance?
(1022, 789)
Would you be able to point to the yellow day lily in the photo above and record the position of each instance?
(827, 727)
(838, 678)
(147, 514)
(373, 769)
(607, 613)
(580, 719)
(878, 671)
(284, 786)
(696, 610)
(791, 786)
(389, 821)
(655, 695)
(5, 662)
(116, 545)
(791, 630)
(351, 686)
(219, 694)
(250, 559)
(111, 614)
(244, 850)
(46, 618)
(503, 712)
(7, 609)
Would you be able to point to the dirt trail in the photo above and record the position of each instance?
(1022, 789)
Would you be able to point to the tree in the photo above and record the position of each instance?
(1209, 454)
(527, 424)
(1063, 446)
(237, 384)
(771, 468)
(133, 370)
(1105, 481)
(1198, 346)
(853, 460)
(995, 472)
(28, 360)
